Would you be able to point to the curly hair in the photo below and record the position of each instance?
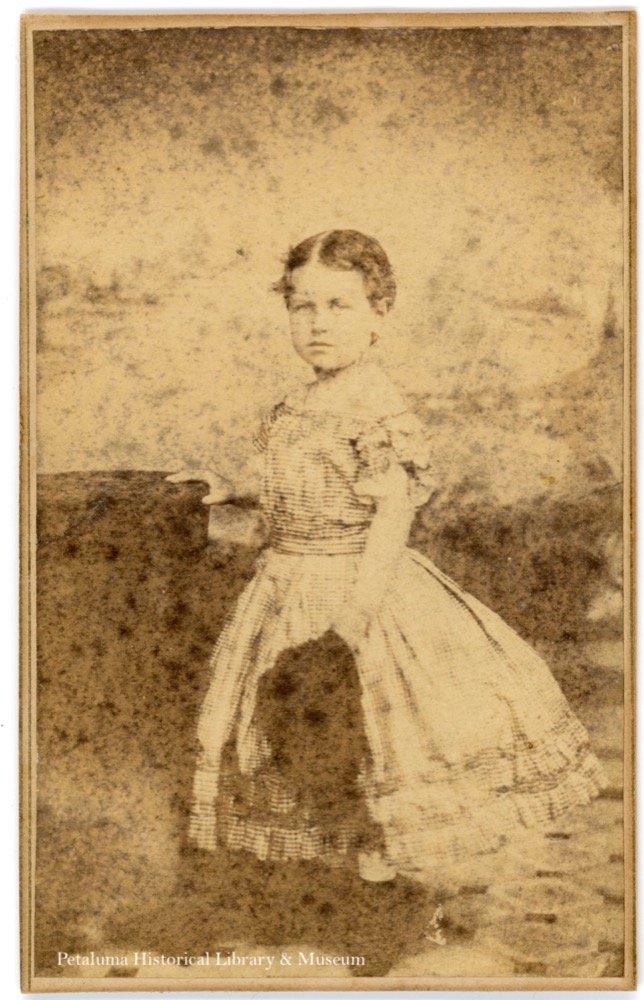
(344, 250)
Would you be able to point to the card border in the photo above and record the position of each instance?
(30, 22)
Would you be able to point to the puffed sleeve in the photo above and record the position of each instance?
(387, 445)
(260, 440)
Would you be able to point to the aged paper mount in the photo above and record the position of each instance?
(478, 173)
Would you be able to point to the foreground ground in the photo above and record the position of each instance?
(130, 602)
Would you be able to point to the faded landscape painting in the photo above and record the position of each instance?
(174, 167)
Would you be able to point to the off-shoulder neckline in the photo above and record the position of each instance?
(295, 400)
(348, 414)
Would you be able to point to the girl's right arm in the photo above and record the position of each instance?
(221, 489)
(238, 524)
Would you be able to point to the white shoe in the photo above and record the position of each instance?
(374, 868)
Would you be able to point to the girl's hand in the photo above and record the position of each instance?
(352, 625)
(219, 489)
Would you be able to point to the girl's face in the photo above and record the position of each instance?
(332, 322)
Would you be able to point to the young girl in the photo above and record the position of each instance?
(458, 731)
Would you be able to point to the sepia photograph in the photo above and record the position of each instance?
(327, 363)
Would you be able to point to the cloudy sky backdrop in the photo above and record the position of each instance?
(176, 166)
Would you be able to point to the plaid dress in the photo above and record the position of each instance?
(463, 735)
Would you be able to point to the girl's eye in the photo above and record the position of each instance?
(298, 307)
(335, 304)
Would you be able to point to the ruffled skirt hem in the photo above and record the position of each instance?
(420, 849)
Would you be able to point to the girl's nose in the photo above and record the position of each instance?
(320, 320)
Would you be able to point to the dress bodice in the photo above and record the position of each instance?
(324, 471)
(309, 484)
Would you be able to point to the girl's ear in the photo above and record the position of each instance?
(380, 310)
